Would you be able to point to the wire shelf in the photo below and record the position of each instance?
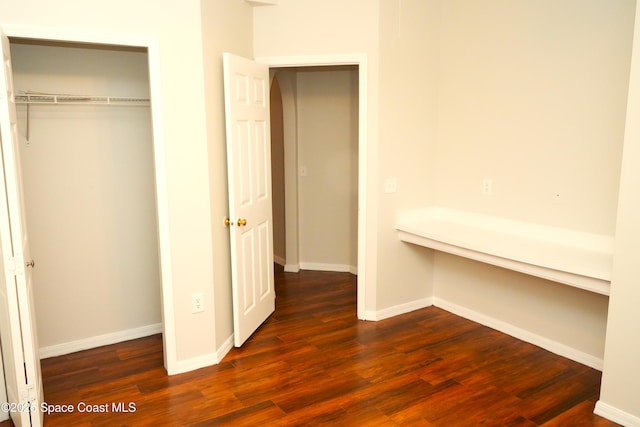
(36, 98)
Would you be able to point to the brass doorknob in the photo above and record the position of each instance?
(228, 222)
(241, 221)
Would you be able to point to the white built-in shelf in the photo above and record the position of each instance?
(562, 255)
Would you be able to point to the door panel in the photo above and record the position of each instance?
(250, 206)
(17, 325)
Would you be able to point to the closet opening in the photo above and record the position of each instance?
(89, 187)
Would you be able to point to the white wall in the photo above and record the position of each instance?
(226, 27)
(328, 150)
(396, 36)
(188, 38)
(408, 33)
(311, 27)
(89, 194)
(567, 320)
(620, 393)
(532, 95)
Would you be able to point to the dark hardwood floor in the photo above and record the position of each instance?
(313, 362)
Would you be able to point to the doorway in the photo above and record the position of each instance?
(314, 124)
(161, 203)
(365, 287)
(88, 177)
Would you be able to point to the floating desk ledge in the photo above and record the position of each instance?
(575, 258)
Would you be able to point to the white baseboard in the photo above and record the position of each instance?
(291, 268)
(225, 348)
(616, 415)
(99, 340)
(203, 361)
(318, 266)
(187, 365)
(396, 310)
(522, 334)
(279, 260)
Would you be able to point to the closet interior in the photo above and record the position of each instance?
(86, 155)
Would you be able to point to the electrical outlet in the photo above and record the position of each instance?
(487, 187)
(197, 303)
(390, 185)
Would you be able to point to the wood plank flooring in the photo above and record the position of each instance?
(313, 362)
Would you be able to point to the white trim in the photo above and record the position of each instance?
(319, 266)
(279, 260)
(292, 268)
(263, 2)
(162, 204)
(77, 35)
(188, 365)
(205, 360)
(290, 147)
(313, 60)
(4, 415)
(399, 309)
(359, 59)
(522, 334)
(224, 349)
(364, 280)
(162, 210)
(499, 325)
(616, 415)
(99, 341)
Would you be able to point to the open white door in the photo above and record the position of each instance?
(17, 320)
(246, 85)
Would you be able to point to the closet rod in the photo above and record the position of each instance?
(79, 99)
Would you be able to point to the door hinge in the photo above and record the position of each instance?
(28, 393)
(15, 265)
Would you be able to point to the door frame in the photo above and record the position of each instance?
(360, 60)
(3, 391)
(162, 205)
